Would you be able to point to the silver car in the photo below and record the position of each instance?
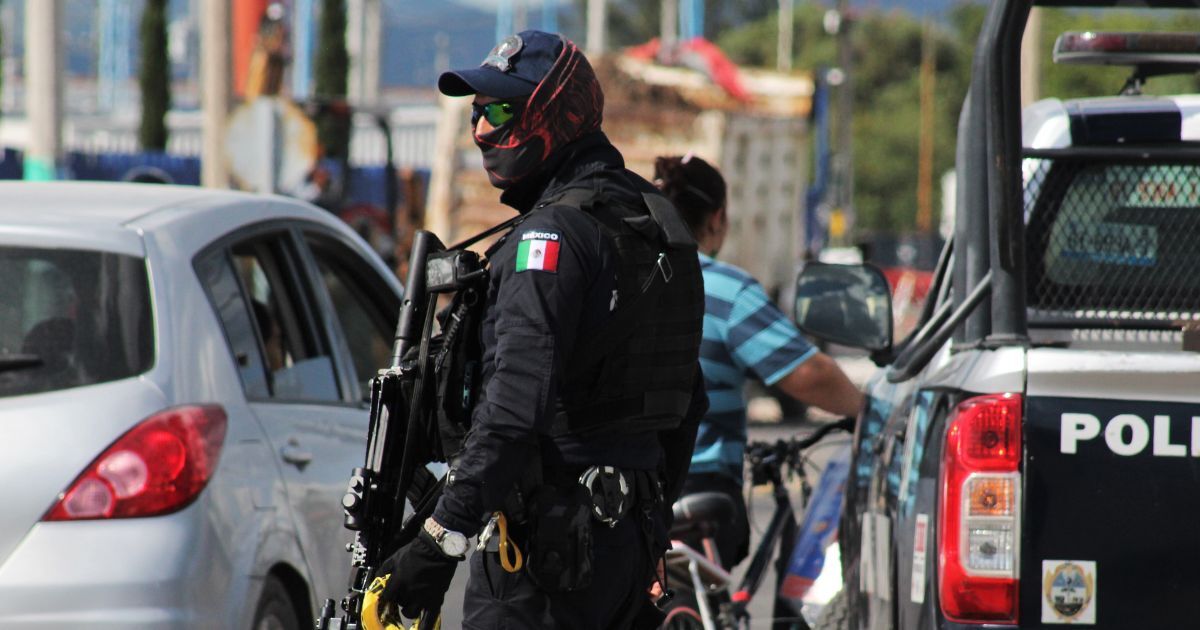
(182, 378)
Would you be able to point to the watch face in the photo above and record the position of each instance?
(454, 544)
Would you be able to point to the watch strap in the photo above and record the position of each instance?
(438, 533)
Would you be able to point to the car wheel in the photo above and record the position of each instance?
(275, 609)
(836, 614)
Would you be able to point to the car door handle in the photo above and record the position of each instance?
(293, 454)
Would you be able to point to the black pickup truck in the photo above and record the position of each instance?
(1030, 456)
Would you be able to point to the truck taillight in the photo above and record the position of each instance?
(158, 466)
(979, 529)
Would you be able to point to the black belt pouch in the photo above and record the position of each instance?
(560, 538)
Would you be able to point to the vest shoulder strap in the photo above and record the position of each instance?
(676, 233)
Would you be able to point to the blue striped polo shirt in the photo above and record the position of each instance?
(745, 335)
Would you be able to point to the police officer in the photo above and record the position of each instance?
(590, 385)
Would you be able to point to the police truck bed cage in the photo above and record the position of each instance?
(990, 297)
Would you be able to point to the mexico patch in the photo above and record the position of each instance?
(1069, 591)
(538, 251)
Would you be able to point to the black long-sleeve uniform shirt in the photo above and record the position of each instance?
(553, 282)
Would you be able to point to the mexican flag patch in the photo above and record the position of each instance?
(538, 251)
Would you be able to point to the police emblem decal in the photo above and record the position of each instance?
(538, 251)
(500, 55)
(1069, 591)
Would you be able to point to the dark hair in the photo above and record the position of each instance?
(693, 185)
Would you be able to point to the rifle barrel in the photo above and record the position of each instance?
(408, 328)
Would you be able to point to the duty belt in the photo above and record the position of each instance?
(614, 493)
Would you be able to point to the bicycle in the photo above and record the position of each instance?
(694, 571)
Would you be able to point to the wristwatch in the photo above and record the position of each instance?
(451, 543)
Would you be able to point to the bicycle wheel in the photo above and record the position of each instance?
(683, 618)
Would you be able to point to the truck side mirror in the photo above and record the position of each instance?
(849, 305)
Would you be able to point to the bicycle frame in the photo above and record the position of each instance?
(781, 529)
(718, 607)
(706, 576)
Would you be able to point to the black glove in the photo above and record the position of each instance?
(421, 575)
(847, 424)
(648, 617)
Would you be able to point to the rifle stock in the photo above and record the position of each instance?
(397, 451)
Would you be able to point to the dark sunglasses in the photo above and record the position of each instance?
(497, 113)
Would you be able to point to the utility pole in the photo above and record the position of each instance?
(520, 16)
(302, 48)
(669, 24)
(1031, 58)
(597, 27)
(838, 23)
(845, 119)
(787, 24)
(8, 58)
(43, 96)
(691, 19)
(373, 40)
(925, 148)
(549, 16)
(441, 58)
(504, 20)
(451, 118)
(363, 40)
(215, 91)
(113, 67)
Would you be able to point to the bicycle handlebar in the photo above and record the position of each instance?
(767, 460)
(845, 424)
(796, 445)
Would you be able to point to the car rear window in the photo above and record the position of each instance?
(70, 318)
(1116, 240)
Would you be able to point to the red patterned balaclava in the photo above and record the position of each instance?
(567, 104)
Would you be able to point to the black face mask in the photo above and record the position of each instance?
(565, 106)
(508, 162)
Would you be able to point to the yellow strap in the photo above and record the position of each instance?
(374, 615)
(512, 566)
(377, 616)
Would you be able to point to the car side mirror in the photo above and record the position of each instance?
(849, 305)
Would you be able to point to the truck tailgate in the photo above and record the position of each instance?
(1112, 490)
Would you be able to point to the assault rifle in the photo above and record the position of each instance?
(403, 434)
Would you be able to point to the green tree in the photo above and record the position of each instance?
(886, 126)
(331, 67)
(886, 68)
(154, 76)
(754, 44)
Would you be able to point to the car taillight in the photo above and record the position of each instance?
(979, 527)
(157, 467)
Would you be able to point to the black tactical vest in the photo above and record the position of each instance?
(637, 373)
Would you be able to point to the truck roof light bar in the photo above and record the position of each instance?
(1128, 49)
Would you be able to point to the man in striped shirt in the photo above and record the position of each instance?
(745, 336)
